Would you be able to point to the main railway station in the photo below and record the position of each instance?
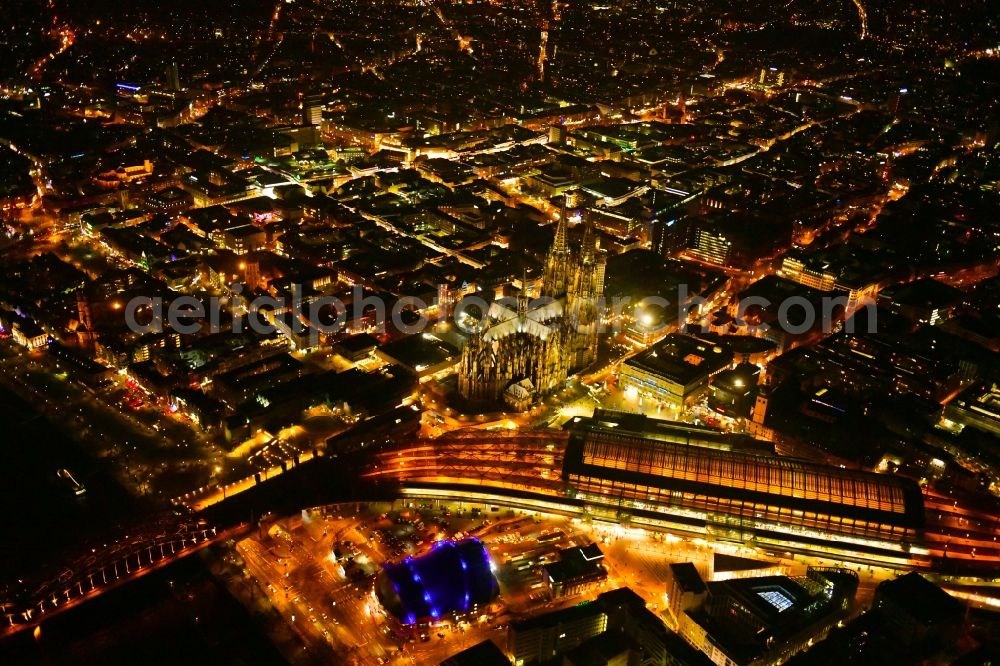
(738, 492)
(672, 477)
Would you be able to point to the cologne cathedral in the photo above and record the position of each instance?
(537, 348)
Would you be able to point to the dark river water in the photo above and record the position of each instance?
(178, 615)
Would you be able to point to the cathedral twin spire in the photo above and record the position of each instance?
(580, 280)
(544, 354)
(556, 273)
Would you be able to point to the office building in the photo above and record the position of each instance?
(676, 370)
(312, 110)
(685, 588)
(763, 621)
(733, 392)
(577, 570)
(918, 614)
(541, 638)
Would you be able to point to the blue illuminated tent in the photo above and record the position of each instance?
(452, 577)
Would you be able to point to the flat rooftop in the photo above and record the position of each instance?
(682, 359)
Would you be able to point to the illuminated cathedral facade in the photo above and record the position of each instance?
(540, 344)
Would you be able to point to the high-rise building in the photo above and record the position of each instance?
(711, 246)
(172, 77)
(557, 134)
(312, 110)
(668, 235)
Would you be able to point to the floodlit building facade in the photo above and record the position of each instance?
(740, 495)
